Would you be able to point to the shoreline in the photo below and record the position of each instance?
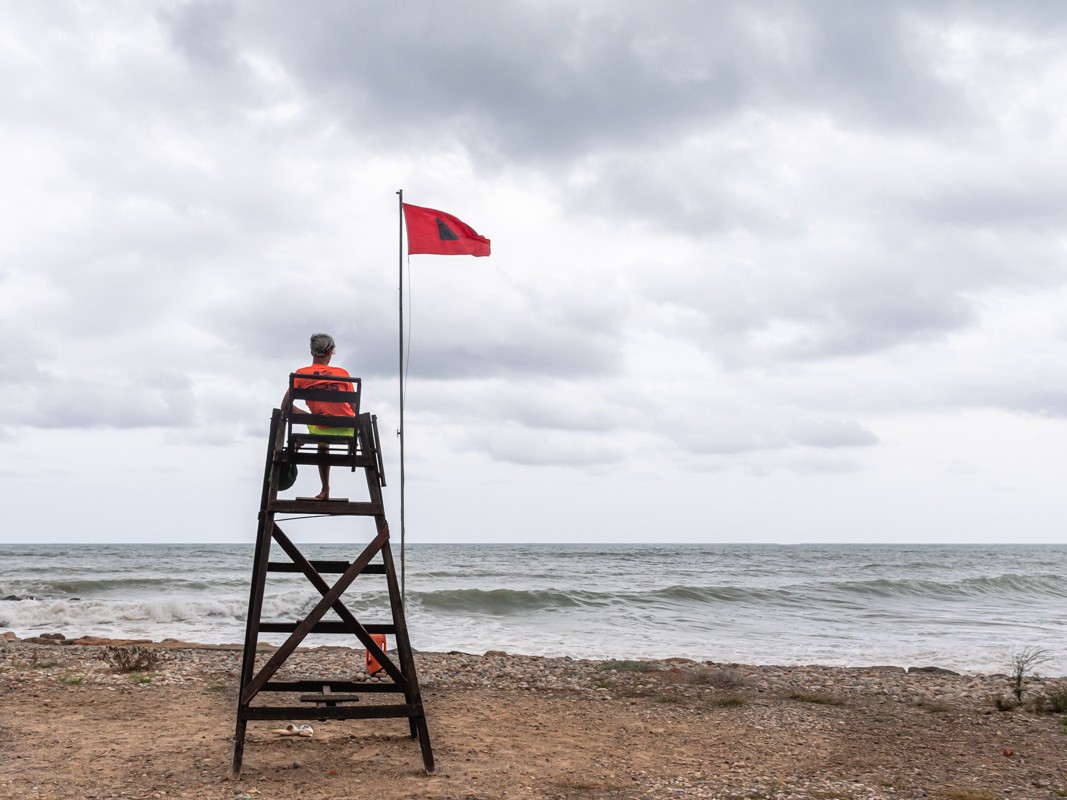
(502, 669)
(506, 725)
(59, 640)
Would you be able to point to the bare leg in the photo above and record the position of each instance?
(324, 476)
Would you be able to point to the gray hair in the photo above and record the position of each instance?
(321, 344)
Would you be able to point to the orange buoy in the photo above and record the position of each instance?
(372, 663)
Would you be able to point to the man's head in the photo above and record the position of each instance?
(321, 345)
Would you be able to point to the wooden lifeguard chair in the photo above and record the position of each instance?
(319, 697)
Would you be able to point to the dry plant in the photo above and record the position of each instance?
(1023, 663)
(132, 659)
(718, 677)
(1057, 699)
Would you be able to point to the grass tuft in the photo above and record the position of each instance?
(730, 701)
(968, 794)
(629, 666)
(819, 698)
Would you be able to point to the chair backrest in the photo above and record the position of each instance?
(324, 389)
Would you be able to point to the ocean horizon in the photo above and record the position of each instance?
(966, 607)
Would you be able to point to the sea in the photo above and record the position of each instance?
(969, 608)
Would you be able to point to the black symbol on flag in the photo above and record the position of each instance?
(445, 232)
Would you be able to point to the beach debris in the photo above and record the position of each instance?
(295, 730)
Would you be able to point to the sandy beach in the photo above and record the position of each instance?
(507, 726)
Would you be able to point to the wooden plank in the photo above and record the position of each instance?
(340, 380)
(332, 507)
(337, 712)
(326, 421)
(324, 567)
(257, 584)
(325, 395)
(327, 698)
(330, 698)
(324, 627)
(377, 448)
(335, 458)
(299, 439)
(419, 729)
(315, 685)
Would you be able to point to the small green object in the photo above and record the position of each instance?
(288, 477)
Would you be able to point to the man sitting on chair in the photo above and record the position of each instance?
(322, 349)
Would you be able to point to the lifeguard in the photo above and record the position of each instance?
(322, 350)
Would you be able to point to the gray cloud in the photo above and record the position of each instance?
(532, 83)
(559, 352)
(203, 31)
(538, 447)
(718, 436)
(148, 398)
(831, 433)
(1029, 202)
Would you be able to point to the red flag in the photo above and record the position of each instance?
(438, 233)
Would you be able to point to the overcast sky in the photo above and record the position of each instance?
(761, 272)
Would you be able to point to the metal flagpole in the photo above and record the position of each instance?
(400, 373)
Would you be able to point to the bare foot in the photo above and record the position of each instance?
(324, 494)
